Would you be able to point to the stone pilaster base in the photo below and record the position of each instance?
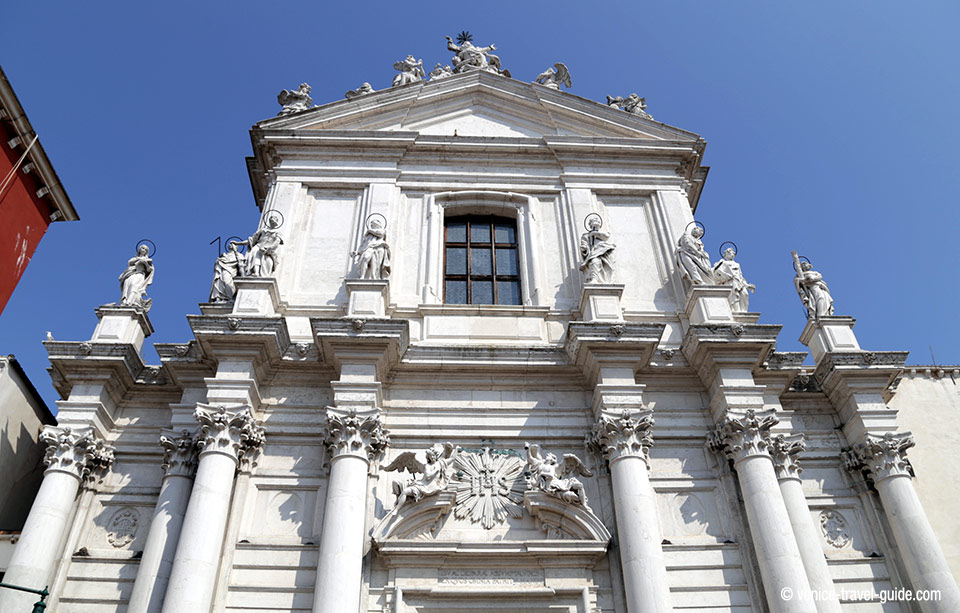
(122, 324)
(257, 296)
(708, 304)
(829, 334)
(367, 297)
(601, 302)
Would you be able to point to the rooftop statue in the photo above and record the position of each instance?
(597, 252)
(440, 72)
(411, 71)
(366, 88)
(555, 77)
(812, 289)
(230, 265)
(633, 104)
(374, 252)
(470, 57)
(263, 257)
(692, 259)
(727, 272)
(296, 100)
(426, 478)
(555, 479)
(135, 279)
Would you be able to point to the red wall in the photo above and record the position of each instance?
(23, 218)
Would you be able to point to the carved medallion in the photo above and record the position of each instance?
(123, 527)
(489, 486)
(834, 528)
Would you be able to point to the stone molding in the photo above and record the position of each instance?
(350, 433)
(623, 436)
(179, 452)
(885, 456)
(875, 360)
(230, 430)
(76, 452)
(741, 436)
(785, 449)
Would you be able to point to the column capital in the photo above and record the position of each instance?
(785, 449)
(78, 452)
(355, 434)
(231, 430)
(623, 435)
(743, 435)
(179, 452)
(886, 456)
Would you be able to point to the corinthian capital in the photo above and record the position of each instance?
(348, 433)
(179, 452)
(785, 450)
(230, 430)
(741, 436)
(76, 452)
(886, 456)
(622, 436)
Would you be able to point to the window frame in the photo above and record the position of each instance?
(469, 245)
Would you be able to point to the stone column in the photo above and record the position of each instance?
(785, 450)
(625, 440)
(179, 464)
(226, 435)
(354, 440)
(72, 456)
(885, 458)
(744, 438)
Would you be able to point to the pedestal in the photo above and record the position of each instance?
(256, 296)
(708, 304)
(601, 302)
(367, 297)
(122, 324)
(829, 334)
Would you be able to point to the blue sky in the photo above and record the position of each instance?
(830, 130)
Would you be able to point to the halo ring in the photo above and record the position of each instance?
(371, 217)
(236, 239)
(702, 227)
(586, 226)
(273, 213)
(736, 249)
(150, 244)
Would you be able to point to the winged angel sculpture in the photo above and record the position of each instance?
(294, 101)
(411, 71)
(557, 479)
(428, 477)
(555, 77)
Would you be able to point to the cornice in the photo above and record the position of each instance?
(590, 344)
(264, 340)
(706, 344)
(117, 364)
(382, 341)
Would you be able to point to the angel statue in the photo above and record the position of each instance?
(135, 279)
(411, 71)
(296, 100)
(692, 259)
(597, 252)
(556, 479)
(374, 252)
(812, 289)
(263, 256)
(230, 265)
(555, 77)
(727, 272)
(440, 72)
(366, 88)
(633, 104)
(434, 472)
(470, 57)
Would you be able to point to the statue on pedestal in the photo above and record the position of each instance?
(230, 265)
(374, 252)
(434, 474)
(556, 479)
(727, 272)
(295, 101)
(555, 77)
(470, 57)
(692, 259)
(263, 257)
(135, 279)
(411, 71)
(597, 252)
(812, 289)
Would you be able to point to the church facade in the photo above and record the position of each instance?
(475, 357)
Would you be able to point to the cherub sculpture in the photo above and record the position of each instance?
(296, 100)
(440, 72)
(633, 104)
(470, 57)
(366, 88)
(812, 289)
(555, 77)
(427, 477)
(550, 477)
(411, 71)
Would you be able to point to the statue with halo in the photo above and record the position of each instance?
(812, 289)
(692, 258)
(727, 272)
(263, 256)
(135, 279)
(597, 252)
(374, 252)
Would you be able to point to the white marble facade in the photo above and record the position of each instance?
(270, 491)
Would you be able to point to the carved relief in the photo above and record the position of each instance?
(555, 479)
(351, 434)
(489, 486)
(428, 476)
(80, 453)
(834, 529)
(624, 435)
(122, 527)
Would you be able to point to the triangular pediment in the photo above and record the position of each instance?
(478, 104)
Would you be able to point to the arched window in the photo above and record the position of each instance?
(481, 260)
